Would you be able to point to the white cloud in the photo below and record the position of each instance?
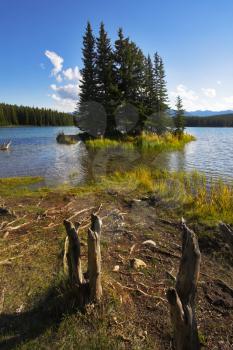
(72, 74)
(184, 93)
(64, 96)
(219, 82)
(59, 78)
(192, 101)
(211, 93)
(229, 100)
(64, 105)
(56, 60)
(69, 91)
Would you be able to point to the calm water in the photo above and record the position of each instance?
(35, 152)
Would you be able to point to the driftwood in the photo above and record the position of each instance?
(89, 289)
(182, 298)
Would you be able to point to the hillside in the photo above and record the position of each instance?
(11, 115)
(225, 120)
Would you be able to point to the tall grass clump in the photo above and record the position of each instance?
(145, 142)
(188, 194)
(166, 141)
(105, 143)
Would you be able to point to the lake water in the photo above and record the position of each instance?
(35, 152)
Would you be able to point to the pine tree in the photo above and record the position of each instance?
(105, 78)
(120, 61)
(161, 95)
(88, 82)
(149, 91)
(179, 118)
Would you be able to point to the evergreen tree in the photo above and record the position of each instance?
(161, 95)
(105, 78)
(88, 82)
(20, 115)
(149, 86)
(179, 118)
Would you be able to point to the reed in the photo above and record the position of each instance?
(145, 142)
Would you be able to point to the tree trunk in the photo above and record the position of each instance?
(72, 260)
(89, 290)
(94, 258)
(182, 297)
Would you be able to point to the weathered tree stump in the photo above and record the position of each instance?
(94, 258)
(182, 298)
(89, 289)
(72, 259)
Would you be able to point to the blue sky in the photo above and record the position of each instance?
(41, 44)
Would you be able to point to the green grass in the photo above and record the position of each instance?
(188, 194)
(19, 186)
(145, 142)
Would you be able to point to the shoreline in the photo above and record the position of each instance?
(135, 207)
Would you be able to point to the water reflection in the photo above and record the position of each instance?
(36, 152)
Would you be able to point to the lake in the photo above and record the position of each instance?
(35, 152)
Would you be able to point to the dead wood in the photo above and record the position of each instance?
(94, 258)
(182, 298)
(89, 289)
(72, 259)
(9, 260)
(226, 232)
(2, 299)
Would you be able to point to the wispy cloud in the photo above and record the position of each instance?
(209, 92)
(205, 99)
(56, 60)
(65, 96)
(72, 74)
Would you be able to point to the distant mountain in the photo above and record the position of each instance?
(207, 113)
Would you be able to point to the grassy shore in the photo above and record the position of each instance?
(37, 309)
(145, 142)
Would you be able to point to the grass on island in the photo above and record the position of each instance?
(145, 142)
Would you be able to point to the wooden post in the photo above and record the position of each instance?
(72, 260)
(94, 259)
(182, 298)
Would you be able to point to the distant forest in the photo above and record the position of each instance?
(20, 115)
(225, 120)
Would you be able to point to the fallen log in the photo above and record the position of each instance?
(182, 298)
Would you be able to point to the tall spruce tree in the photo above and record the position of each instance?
(88, 82)
(105, 78)
(179, 119)
(161, 95)
(149, 90)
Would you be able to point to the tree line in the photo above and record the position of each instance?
(122, 89)
(225, 120)
(20, 115)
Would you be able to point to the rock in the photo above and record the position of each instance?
(150, 243)
(116, 268)
(137, 263)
